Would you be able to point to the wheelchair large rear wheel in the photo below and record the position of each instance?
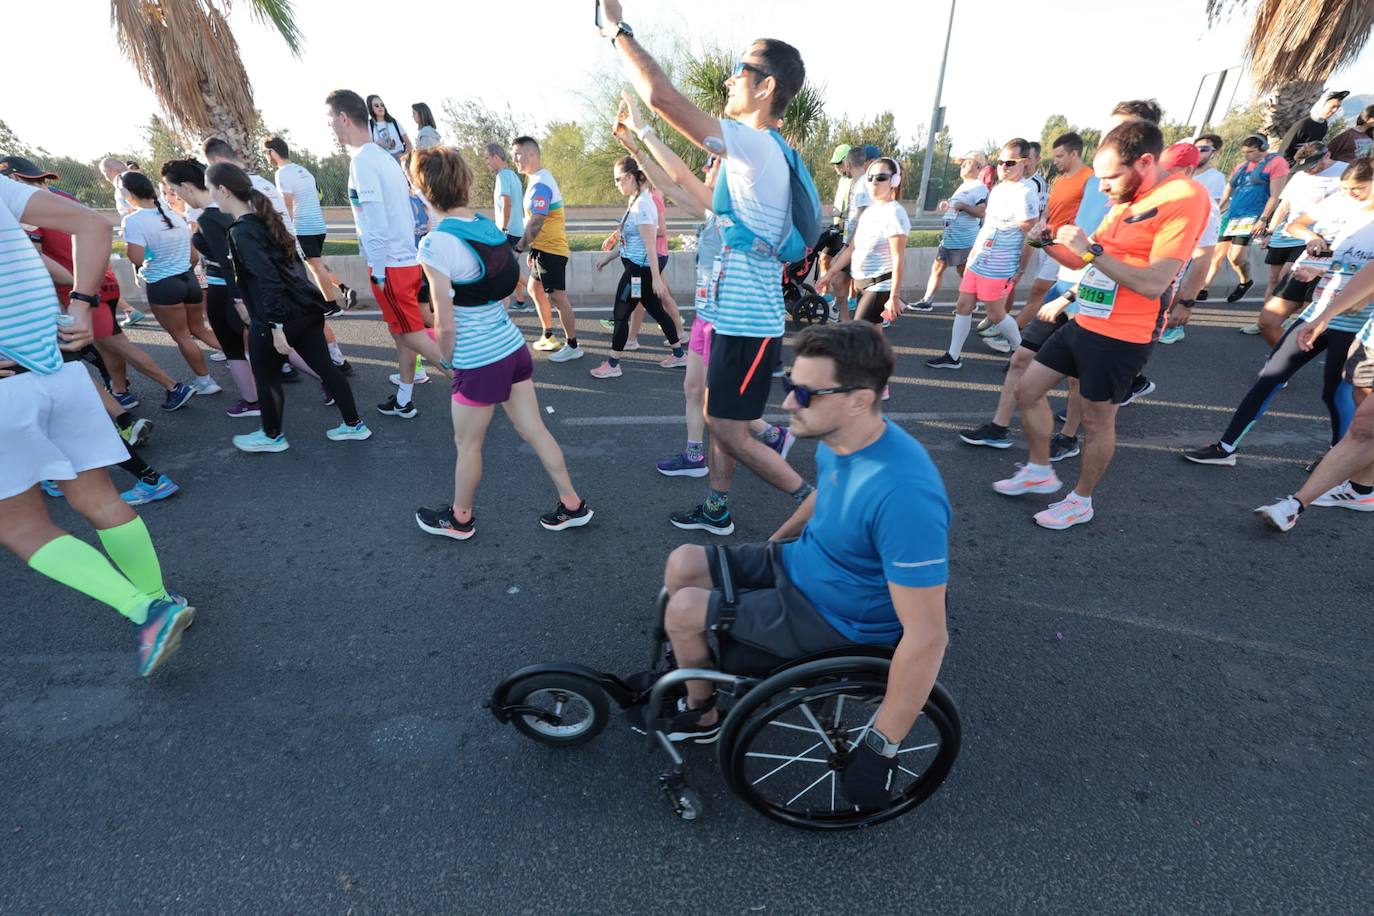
(559, 709)
(785, 753)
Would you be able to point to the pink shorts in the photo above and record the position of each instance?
(700, 341)
(984, 289)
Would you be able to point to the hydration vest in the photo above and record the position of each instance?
(802, 227)
(500, 272)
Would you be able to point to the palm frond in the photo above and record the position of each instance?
(280, 15)
(1296, 41)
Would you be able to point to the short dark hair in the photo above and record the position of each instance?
(348, 103)
(784, 63)
(1365, 119)
(1255, 141)
(1144, 109)
(1214, 139)
(1021, 145)
(278, 146)
(219, 148)
(1070, 141)
(523, 140)
(861, 354)
(184, 171)
(1034, 145)
(1133, 139)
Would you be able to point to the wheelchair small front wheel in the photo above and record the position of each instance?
(558, 709)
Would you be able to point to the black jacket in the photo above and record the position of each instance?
(211, 239)
(272, 282)
(1306, 130)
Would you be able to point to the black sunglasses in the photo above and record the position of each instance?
(804, 394)
(741, 66)
(880, 176)
(1011, 163)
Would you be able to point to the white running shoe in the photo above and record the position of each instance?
(1027, 481)
(420, 378)
(1345, 497)
(566, 354)
(1066, 513)
(207, 386)
(545, 343)
(1000, 344)
(1282, 515)
(217, 356)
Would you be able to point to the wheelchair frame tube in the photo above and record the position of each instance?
(672, 679)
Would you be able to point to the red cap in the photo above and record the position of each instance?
(1180, 156)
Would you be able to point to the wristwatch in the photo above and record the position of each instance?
(84, 297)
(1093, 253)
(877, 742)
(622, 28)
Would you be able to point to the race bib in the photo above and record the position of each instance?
(1096, 294)
(1243, 225)
(717, 276)
(636, 287)
(703, 294)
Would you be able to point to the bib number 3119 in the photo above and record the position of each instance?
(1096, 294)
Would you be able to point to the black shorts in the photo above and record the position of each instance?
(1104, 366)
(739, 376)
(1291, 289)
(1274, 256)
(954, 257)
(312, 246)
(1037, 332)
(551, 270)
(513, 239)
(769, 613)
(182, 289)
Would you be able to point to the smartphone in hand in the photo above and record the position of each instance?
(598, 13)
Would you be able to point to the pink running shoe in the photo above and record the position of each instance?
(1026, 480)
(606, 370)
(1065, 514)
(674, 362)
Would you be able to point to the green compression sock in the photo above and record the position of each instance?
(78, 565)
(132, 551)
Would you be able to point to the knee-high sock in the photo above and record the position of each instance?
(959, 333)
(80, 566)
(1010, 331)
(131, 548)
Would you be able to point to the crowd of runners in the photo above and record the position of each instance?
(1118, 248)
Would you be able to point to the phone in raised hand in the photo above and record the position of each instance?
(598, 14)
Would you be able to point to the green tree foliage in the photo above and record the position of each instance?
(468, 125)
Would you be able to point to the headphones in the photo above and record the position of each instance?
(1263, 142)
(896, 170)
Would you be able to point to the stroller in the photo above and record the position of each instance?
(804, 304)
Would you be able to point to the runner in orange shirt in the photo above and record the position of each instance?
(1133, 257)
(1066, 193)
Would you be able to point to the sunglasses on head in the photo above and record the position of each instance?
(804, 394)
(741, 66)
(880, 176)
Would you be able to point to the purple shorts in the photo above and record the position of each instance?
(491, 384)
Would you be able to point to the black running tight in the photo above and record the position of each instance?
(224, 321)
(306, 337)
(625, 306)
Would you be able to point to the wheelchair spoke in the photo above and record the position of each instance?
(863, 729)
(811, 717)
(780, 724)
(830, 773)
(908, 772)
(839, 711)
(783, 766)
(923, 747)
(764, 756)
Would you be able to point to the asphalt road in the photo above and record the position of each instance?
(1165, 711)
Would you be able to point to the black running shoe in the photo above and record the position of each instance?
(350, 296)
(1212, 454)
(924, 305)
(441, 522)
(989, 434)
(945, 361)
(563, 517)
(1139, 389)
(681, 723)
(392, 409)
(1201, 296)
(699, 520)
(1062, 446)
(332, 309)
(1239, 292)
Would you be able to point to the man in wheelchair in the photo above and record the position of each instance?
(864, 560)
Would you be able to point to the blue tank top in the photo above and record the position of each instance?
(1250, 190)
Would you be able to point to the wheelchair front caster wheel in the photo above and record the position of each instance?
(558, 709)
(686, 803)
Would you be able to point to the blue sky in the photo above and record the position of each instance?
(1011, 64)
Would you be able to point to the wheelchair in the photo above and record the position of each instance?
(803, 303)
(788, 725)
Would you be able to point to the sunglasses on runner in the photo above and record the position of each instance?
(880, 176)
(1011, 163)
(1206, 149)
(710, 161)
(741, 66)
(804, 394)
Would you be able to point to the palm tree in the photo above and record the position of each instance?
(1294, 46)
(703, 81)
(186, 53)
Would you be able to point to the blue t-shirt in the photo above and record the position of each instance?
(881, 516)
(508, 183)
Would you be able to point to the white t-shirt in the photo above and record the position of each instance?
(1350, 252)
(997, 250)
(1303, 192)
(859, 198)
(961, 227)
(297, 181)
(166, 249)
(640, 212)
(28, 302)
(388, 137)
(483, 334)
(872, 250)
(269, 190)
(374, 177)
(1213, 181)
(1042, 191)
(749, 287)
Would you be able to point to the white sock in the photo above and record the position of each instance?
(336, 354)
(959, 334)
(1010, 331)
(204, 379)
(1039, 468)
(1227, 447)
(403, 392)
(1085, 500)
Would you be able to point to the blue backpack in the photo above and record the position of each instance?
(804, 213)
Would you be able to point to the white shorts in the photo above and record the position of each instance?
(1049, 268)
(53, 427)
(1213, 230)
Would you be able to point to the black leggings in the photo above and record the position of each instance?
(1284, 362)
(224, 321)
(306, 337)
(625, 306)
(871, 305)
